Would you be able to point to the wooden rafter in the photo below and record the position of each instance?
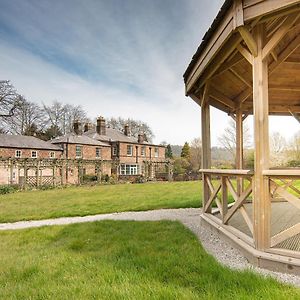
(284, 54)
(279, 34)
(241, 78)
(215, 94)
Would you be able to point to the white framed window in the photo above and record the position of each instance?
(52, 154)
(156, 152)
(78, 151)
(129, 169)
(34, 154)
(143, 151)
(115, 152)
(18, 153)
(129, 150)
(98, 152)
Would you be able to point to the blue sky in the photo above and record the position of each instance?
(115, 58)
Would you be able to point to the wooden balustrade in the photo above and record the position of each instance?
(281, 184)
(219, 189)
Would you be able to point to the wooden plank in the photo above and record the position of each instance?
(227, 172)
(279, 34)
(246, 218)
(266, 7)
(238, 203)
(232, 190)
(238, 14)
(212, 197)
(282, 172)
(261, 201)
(285, 234)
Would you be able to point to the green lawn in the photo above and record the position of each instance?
(121, 260)
(80, 201)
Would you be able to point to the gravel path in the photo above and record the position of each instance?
(190, 217)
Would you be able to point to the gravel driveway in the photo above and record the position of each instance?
(190, 217)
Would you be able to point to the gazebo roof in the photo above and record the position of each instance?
(221, 69)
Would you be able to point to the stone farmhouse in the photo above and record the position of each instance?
(87, 152)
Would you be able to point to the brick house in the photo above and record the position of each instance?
(19, 147)
(130, 152)
(79, 147)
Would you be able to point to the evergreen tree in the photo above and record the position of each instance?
(169, 153)
(185, 152)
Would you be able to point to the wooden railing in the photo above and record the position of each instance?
(218, 185)
(282, 184)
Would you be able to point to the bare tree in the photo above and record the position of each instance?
(28, 118)
(136, 126)
(61, 117)
(277, 149)
(228, 138)
(9, 99)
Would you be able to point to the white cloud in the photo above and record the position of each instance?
(113, 61)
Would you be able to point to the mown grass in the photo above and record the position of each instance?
(80, 201)
(122, 260)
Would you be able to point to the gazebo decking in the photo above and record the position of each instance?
(283, 216)
(249, 64)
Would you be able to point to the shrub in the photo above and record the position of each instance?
(89, 178)
(7, 189)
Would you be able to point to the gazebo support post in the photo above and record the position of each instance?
(239, 148)
(206, 149)
(261, 201)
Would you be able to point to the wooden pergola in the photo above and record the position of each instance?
(249, 64)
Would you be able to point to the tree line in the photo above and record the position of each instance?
(18, 115)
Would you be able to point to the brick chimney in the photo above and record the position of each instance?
(141, 138)
(87, 127)
(126, 130)
(101, 126)
(77, 127)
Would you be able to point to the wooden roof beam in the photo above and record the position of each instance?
(215, 94)
(241, 78)
(245, 53)
(284, 54)
(295, 115)
(248, 39)
(279, 34)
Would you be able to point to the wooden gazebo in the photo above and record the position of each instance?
(249, 63)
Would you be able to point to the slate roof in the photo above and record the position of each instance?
(23, 141)
(112, 135)
(72, 138)
(206, 38)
